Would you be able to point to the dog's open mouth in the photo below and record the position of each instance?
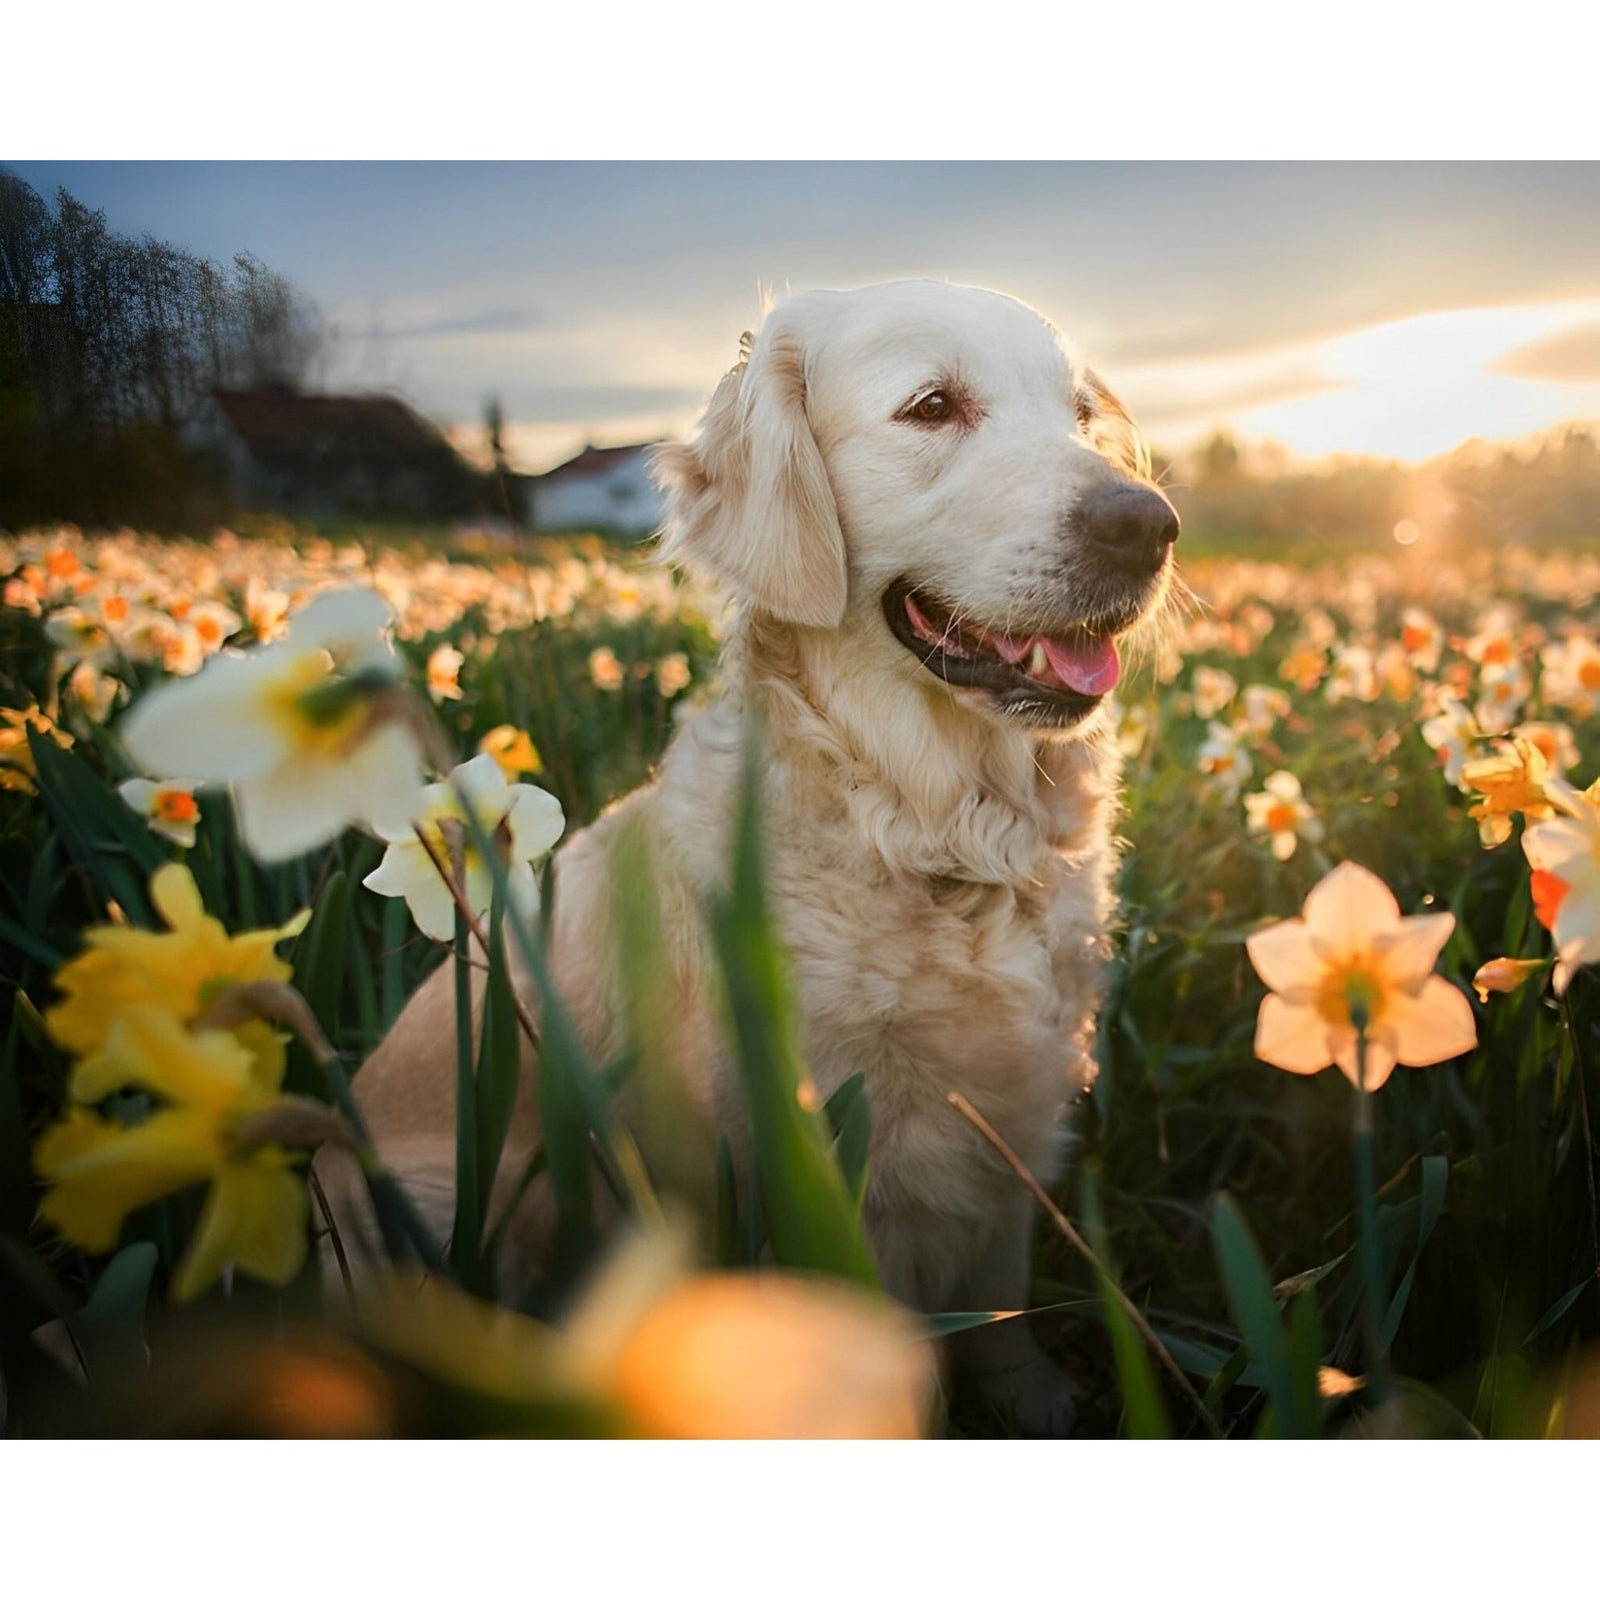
(1055, 677)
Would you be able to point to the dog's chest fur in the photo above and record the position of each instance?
(924, 981)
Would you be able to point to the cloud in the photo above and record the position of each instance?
(495, 319)
(1571, 355)
(581, 405)
(1177, 401)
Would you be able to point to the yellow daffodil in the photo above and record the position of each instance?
(525, 819)
(1350, 959)
(309, 730)
(1512, 781)
(170, 808)
(1565, 856)
(181, 971)
(209, 1085)
(514, 752)
(17, 769)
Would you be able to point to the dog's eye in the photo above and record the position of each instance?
(935, 406)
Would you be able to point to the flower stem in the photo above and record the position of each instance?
(1571, 1021)
(1367, 1210)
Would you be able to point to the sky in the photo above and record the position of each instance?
(1386, 308)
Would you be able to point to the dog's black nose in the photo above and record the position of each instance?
(1127, 524)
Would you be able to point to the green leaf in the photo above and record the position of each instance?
(810, 1214)
(1557, 1311)
(111, 1325)
(468, 1234)
(108, 843)
(1435, 1176)
(1244, 1274)
(318, 963)
(499, 1055)
(1141, 1395)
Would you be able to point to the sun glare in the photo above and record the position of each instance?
(1419, 387)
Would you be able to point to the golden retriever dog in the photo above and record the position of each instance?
(937, 527)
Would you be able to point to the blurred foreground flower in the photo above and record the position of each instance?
(1282, 813)
(656, 1351)
(1351, 962)
(17, 769)
(1512, 781)
(211, 1090)
(170, 808)
(181, 972)
(1565, 856)
(524, 821)
(313, 731)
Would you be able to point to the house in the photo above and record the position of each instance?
(326, 454)
(608, 490)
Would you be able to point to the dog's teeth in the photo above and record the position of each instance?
(1038, 662)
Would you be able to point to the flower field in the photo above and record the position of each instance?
(253, 789)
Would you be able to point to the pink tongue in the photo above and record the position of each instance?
(1091, 667)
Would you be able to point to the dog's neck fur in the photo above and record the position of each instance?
(937, 789)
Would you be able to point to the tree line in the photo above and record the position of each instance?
(110, 348)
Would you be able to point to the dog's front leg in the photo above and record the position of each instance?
(1001, 1364)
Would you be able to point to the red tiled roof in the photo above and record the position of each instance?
(592, 461)
(279, 423)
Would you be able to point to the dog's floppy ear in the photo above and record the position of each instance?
(749, 498)
(1113, 431)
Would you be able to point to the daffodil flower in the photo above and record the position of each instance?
(1281, 812)
(17, 769)
(1565, 856)
(1351, 965)
(181, 971)
(209, 1085)
(306, 729)
(514, 752)
(1512, 781)
(170, 808)
(524, 820)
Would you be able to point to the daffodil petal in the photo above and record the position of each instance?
(147, 1048)
(176, 895)
(1293, 1037)
(254, 1220)
(1408, 954)
(1347, 908)
(1380, 1059)
(100, 1171)
(536, 821)
(1284, 956)
(386, 779)
(214, 725)
(1435, 1024)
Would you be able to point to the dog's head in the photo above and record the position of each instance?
(930, 463)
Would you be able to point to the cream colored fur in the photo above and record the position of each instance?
(941, 873)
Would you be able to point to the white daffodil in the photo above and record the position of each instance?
(524, 821)
(1223, 760)
(169, 808)
(1281, 812)
(309, 730)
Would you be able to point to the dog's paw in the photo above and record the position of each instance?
(1038, 1398)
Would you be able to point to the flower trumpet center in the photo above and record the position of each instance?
(322, 711)
(176, 805)
(1281, 817)
(1350, 996)
(1548, 893)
